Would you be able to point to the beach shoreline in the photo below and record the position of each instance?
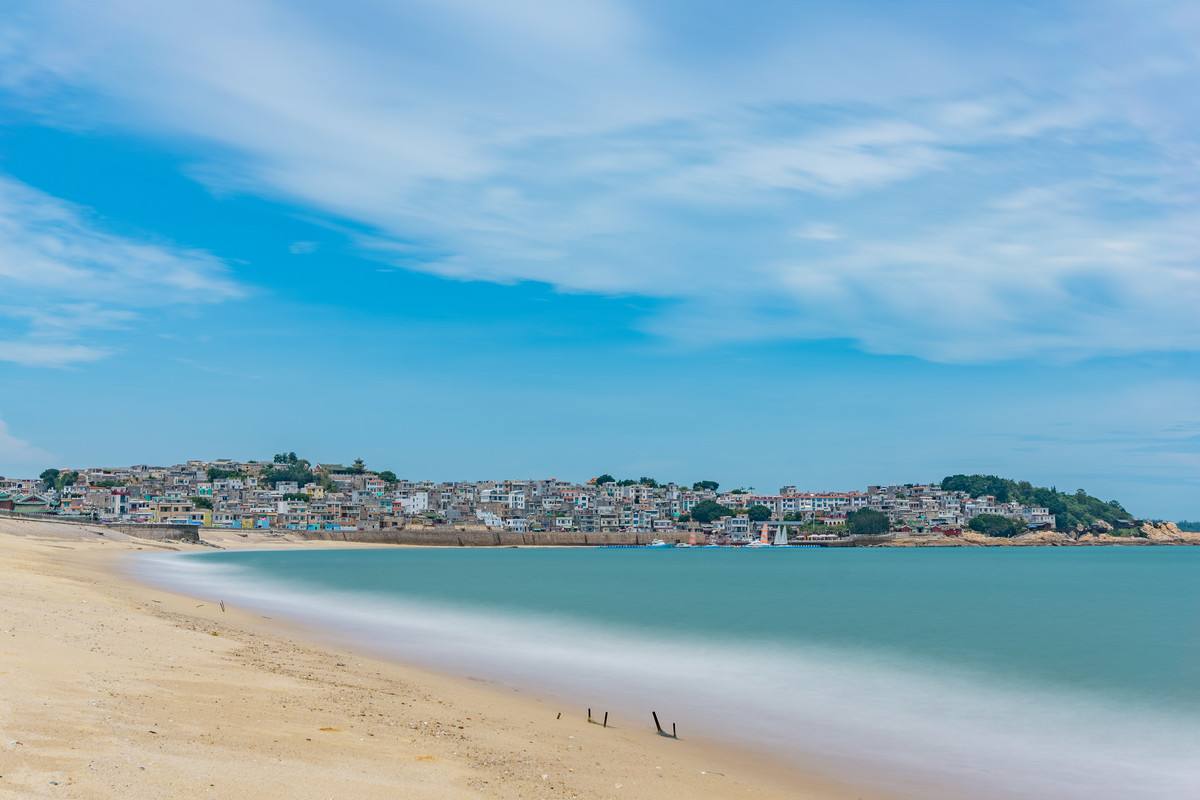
(117, 689)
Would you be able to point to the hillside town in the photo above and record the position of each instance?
(289, 494)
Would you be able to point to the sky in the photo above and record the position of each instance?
(822, 244)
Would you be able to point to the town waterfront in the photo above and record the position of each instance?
(1030, 672)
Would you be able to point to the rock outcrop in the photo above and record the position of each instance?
(1108, 538)
(1141, 534)
(1167, 533)
(1043, 538)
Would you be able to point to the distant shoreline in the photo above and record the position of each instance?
(1148, 535)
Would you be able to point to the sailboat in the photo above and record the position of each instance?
(764, 539)
(781, 538)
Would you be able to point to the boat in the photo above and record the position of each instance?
(764, 539)
(659, 543)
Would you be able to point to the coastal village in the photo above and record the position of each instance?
(289, 494)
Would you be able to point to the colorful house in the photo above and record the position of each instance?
(32, 504)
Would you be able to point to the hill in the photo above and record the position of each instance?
(1069, 509)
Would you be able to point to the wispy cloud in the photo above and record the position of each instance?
(302, 248)
(1026, 192)
(31, 353)
(18, 454)
(818, 232)
(63, 279)
(1046, 275)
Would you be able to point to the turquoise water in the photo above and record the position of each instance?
(1092, 654)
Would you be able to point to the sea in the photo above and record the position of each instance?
(934, 672)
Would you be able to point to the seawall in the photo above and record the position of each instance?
(158, 532)
(480, 537)
(161, 532)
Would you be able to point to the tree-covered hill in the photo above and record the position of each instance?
(1069, 509)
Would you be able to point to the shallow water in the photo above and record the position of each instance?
(1030, 672)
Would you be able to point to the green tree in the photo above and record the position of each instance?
(358, 467)
(297, 471)
(388, 477)
(644, 481)
(708, 510)
(705, 486)
(867, 522)
(202, 502)
(49, 477)
(605, 478)
(54, 479)
(758, 513)
(218, 474)
(996, 525)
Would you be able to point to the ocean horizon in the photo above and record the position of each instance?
(1031, 672)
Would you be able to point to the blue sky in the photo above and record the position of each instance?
(829, 244)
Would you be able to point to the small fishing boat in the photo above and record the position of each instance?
(660, 543)
(691, 542)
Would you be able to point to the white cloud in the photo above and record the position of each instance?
(600, 150)
(818, 232)
(839, 160)
(62, 277)
(1039, 281)
(302, 248)
(43, 354)
(18, 457)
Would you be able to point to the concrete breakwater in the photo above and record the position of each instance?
(161, 532)
(155, 531)
(482, 537)
(1148, 534)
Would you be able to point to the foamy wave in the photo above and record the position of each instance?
(917, 727)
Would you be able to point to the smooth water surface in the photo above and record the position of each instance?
(1026, 672)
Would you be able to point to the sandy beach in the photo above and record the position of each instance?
(112, 689)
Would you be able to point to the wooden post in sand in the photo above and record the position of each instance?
(661, 732)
